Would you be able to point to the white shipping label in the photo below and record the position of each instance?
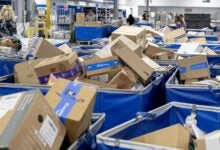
(49, 131)
(9, 101)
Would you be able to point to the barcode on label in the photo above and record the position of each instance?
(49, 131)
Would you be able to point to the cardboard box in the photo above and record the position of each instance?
(175, 36)
(80, 18)
(194, 68)
(136, 34)
(28, 122)
(24, 72)
(166, 30)
(199, 40)
(73, 103)
(175, 136)
(98, 84)
(208, 142)
(151, 63)
(133, 61)
(94, 67)
(125, 79)
(132, 45)
(65, 48)
(105, 77)
(209, 51)
(41, 48)
(63, 66)
(155, 52)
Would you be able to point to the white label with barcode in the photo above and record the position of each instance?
(9, 102)
(49, 131)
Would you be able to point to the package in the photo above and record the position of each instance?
(95, 67)
(133, 46)
(52, 80)
(208, 51)
(201, 41)
(166, 30)
(136, 34)
(80, 18)
(65, 48)
(28, 122)
(190, 48)
(152, 32)
(41, 48)
(63, 66)
(24, 72)
(73, 103)
(175, 36)
(133, 61)
(98, 84)
(208, 142)
(175, 136)
(125, 79)
(155, 52)
(194, 68)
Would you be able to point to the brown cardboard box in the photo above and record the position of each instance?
(93, 23)
(105, 77)
(98, 84)
(73, 103)
(161, 56)
(209, 51)
(94, 67)
(125, 79)
(41, 48)
(63, 66)
(152, 52)
(28, 122)
(133, 61)
(65, 48)
(175, 136)
(208, 142)
(136, 34)
(194, 68)
(178, 35)
(24, 72)
(80, 18)
(199, 40)
(133, 46)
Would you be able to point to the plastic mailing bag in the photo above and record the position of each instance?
(195, 94)
(170, 114)
(88, 140)
(86, 50)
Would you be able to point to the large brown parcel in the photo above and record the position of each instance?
(155, 52)
(125, 79)
(41, 48)
(194, 68)
(28, 122)
(73, 103)
(24, 72)
(178, 35)
(80, 18)
(136, 34)
(132, 45)
(133, 61)
(102, 69)
(175, 136)
(63, 66)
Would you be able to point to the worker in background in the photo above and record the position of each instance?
(183, 20)
(144, 19)
(179, 22)
(90, 16)
(131, 20)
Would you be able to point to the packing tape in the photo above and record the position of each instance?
(68, 100)
(102, 65)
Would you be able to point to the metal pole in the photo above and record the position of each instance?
(147, 6)
(115, 8)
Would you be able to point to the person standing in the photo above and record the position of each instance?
(90, 16)
(131, 20)
(179, 22)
